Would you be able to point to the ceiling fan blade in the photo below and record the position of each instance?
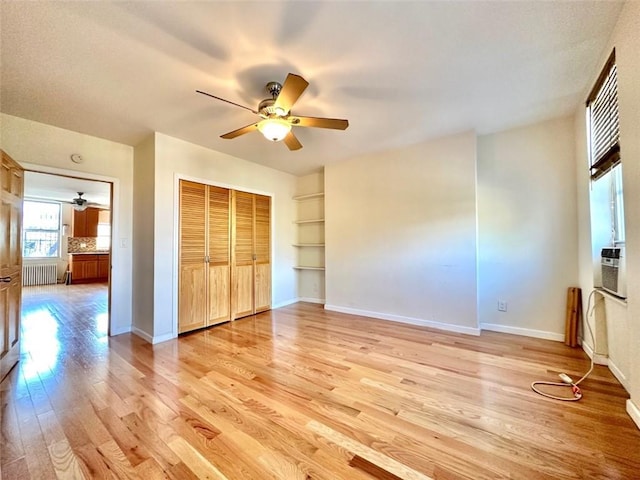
(335, 123)
(292, 142)
(240, 131)
(227, 101)
(292, 88)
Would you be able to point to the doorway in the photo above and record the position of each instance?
(67, 242)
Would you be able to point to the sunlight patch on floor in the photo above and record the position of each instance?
(40, 341)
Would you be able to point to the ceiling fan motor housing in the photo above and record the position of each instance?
(80, 201)
(274, 89)
(266, 107)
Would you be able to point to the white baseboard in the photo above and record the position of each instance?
(291, 301)
(142, 334)
(152, 340)
(598, 358)
(311, 300)
(618, 374)
(296, 300)
(410, 320)
(633, 411)
(527, 332)
(163, 338)
(120, 330)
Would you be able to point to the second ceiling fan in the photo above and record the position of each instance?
(277, 119)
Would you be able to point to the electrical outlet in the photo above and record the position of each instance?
(502, 306)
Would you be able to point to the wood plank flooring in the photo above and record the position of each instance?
(299, 393)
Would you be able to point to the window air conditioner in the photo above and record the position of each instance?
(614, 278)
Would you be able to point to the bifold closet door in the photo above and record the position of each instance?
(251, 254)
(192, 291)
(262, 248)
(219, 255)
(242, 255)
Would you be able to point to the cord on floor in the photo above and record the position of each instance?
(567, 381)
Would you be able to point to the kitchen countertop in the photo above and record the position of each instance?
(101, 252)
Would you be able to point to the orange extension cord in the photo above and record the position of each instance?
(566, 379)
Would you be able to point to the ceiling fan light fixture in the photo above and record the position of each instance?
(80, 208)
(274, 129)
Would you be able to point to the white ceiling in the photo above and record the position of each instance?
(401, 72)
(64, 189)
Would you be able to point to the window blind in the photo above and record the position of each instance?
(603, 119)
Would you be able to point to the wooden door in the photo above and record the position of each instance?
(11, 194)
(262, 249)
(192, 293)
(219, 255)
(242, 254)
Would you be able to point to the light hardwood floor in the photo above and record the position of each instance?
(299, 393)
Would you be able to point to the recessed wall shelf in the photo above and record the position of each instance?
(316, 220)
(309, 245)
(308, 196)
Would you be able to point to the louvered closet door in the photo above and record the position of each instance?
(242, 255)
(262, 248)
(219, 255)
(192, 294)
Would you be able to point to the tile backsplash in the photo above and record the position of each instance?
(81, 244)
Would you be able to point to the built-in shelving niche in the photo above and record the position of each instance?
(310, 246)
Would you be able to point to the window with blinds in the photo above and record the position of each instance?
(604, 127)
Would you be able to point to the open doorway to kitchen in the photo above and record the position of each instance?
(66, 247)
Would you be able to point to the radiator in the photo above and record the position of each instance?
(39, 274)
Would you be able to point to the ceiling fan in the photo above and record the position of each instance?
(80, 204)
(277, 119)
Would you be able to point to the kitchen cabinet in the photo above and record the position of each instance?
(89, 268)
(103, 267)
(85, 223)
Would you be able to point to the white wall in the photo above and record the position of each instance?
(626, 40)
(176, 158)
(45, 148)
(401, 234)
(627, 43)
(143, 239)
(527, 228)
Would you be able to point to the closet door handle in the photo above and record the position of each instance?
(5, 279)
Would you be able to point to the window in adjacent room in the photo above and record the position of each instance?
(41, 229)
(605, 161)
(103, 241)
